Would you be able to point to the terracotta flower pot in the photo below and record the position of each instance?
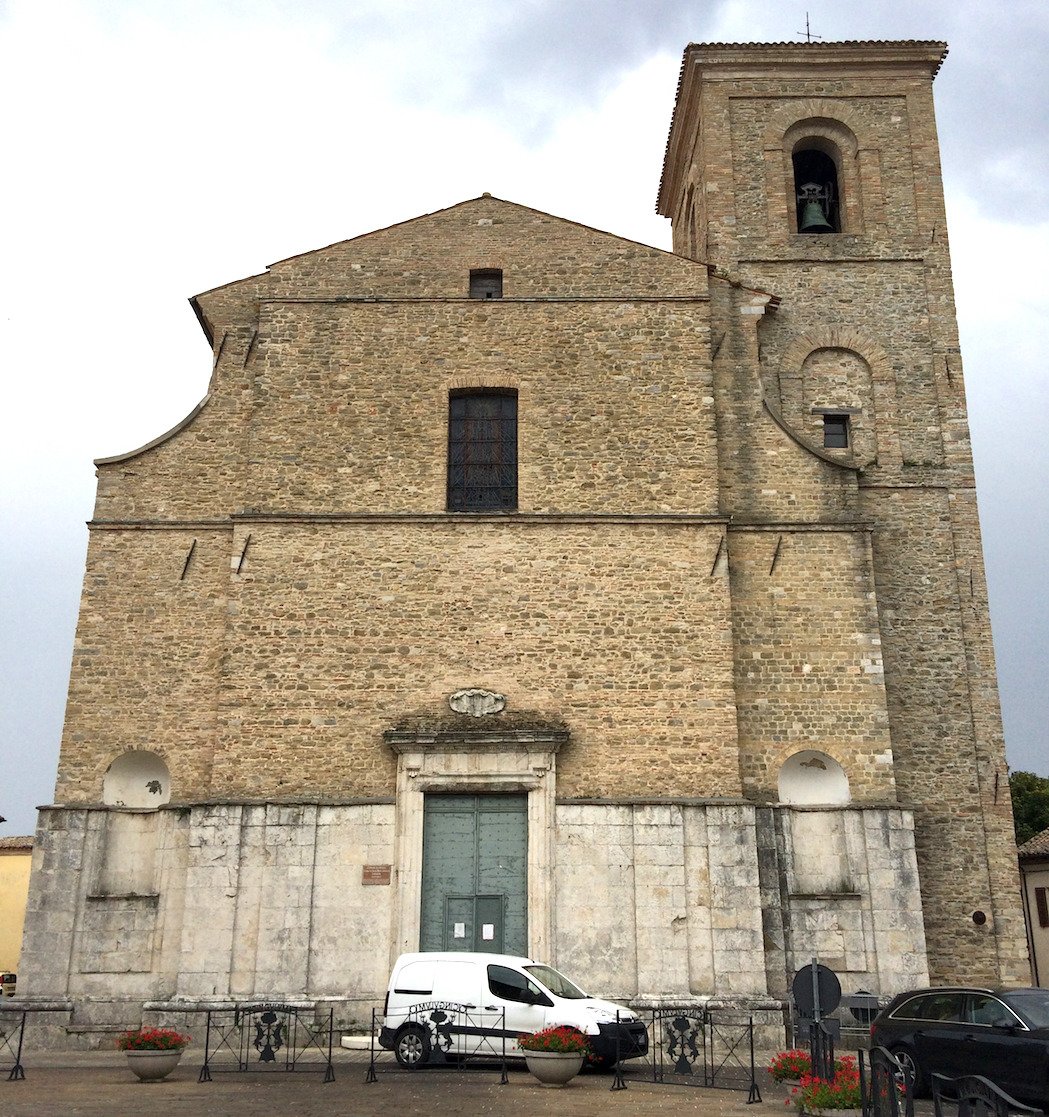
(152, 1066)
(553, 1068)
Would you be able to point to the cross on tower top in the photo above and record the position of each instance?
(809, 34)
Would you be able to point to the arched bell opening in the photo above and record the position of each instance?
(817, 189)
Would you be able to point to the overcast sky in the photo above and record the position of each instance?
(154, 150)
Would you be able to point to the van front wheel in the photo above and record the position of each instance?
(412, 1046)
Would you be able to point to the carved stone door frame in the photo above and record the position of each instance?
(475, 762)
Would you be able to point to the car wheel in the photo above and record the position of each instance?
(908, 1060)
(412, 1046)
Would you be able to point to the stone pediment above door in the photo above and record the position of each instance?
(453, 750)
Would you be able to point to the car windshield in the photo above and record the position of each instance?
(1033, 1004)
(557, 983)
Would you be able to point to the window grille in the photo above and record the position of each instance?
(482, 451)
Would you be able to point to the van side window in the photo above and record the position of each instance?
(510, 985)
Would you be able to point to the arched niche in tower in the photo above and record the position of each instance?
(837, 388)
(820, 161)
(810, 778)
(138, 779)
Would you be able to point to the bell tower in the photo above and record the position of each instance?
(811, 172)
(770, 142)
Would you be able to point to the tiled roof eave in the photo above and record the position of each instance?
(1038, 846)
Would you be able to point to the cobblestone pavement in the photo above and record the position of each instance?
(98, 1084)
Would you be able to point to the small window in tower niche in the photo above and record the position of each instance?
(836, 432)
(816, 191)
(486, 283)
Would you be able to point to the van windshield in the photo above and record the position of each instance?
(557, 983)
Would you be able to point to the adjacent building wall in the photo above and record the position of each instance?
(16, 858)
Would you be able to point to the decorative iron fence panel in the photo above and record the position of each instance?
(439, 1035)
(689, 1046)
(267, 1037)
(12, 1034)
(976, 1096)
(886, 1086)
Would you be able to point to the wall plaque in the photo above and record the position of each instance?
(376, 874)
(477, 703)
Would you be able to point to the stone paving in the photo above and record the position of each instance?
(98, 1084)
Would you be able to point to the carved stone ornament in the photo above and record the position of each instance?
(477, 703)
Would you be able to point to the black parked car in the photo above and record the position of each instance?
(1002, 1034)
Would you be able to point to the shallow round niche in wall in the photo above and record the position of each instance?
(813, 778)
(137, 779)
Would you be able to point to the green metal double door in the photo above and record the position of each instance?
(475, 873)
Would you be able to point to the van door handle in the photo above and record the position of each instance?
(469, 1006)
(491, 1008)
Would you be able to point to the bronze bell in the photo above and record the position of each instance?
(813, 214)
(813, 219)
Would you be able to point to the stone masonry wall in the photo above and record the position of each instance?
(614, 402)
(149, 641)
(655, 902)
(430, 258)
(337, 629)
(279, 680)
(842, 885)
(663, 900)
(809, 671)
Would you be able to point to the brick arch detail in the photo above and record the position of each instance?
(504, 381)
(827, 119)
(835, 337)
(822, 114)
(845, 758)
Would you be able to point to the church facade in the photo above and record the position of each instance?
(519, 587)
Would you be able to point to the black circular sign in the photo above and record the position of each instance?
(829, 991)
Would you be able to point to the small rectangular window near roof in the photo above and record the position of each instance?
(1043, 907)
(486, 283)
(835, 432)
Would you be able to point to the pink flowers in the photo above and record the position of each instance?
(152, 1039)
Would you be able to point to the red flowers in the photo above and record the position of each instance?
(562, 1041)
(790, 1064)
(842, 1092)
(152, 1039)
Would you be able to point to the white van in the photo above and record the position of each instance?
(454, 1005)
